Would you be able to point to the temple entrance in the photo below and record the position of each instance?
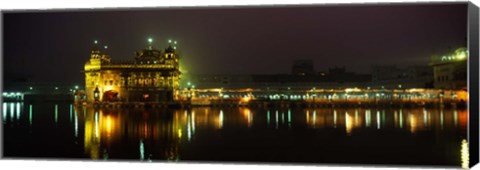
(110, 96)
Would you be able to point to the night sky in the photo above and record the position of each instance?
(54, 46)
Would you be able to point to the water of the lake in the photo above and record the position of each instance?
(322, 136)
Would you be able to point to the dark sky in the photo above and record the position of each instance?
(54, 46)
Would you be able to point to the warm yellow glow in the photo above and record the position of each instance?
(220, 119)
(179, 131)
(413, 123)
(108, 88)
(348, 123)
(246, 99)
(464, 154)
(462, 95)
(109, 123)
(348, 90)
(308, 117)
(248, 115)
(91, 139)
(415, 90)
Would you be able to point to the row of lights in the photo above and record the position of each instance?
(460, 54)
(56, 88)
(11, 94)
(150, 41)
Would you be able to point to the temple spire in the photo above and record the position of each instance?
(150, 41)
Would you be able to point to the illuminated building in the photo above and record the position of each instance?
(450, 70)
(153, 76)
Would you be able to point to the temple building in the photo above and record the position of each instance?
(450, 70)
(153, 76)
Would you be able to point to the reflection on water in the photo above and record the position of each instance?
(465, 155)
(179, 134)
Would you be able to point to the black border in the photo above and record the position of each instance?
(473, 119)
(473, 63)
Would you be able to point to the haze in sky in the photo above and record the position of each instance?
(54, 45)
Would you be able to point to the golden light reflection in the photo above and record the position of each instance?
(464, 154)
(378, 119)
(179, 133)
(400, 119)
(307, 117)
(247, 114)
(348, 123)
(463, 118)
(246, 99)
(357, 122)
(220, 119)
(104, 128)
(108, 125)
(91, 139)
(413, 123)
(462, 95)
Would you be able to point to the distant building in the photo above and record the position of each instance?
(387, 72)
(153, 76)
(334, 80)
(392, 77)
(450, 70)
(340, 75)
(303, 67)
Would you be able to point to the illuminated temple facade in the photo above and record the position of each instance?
(152, 77)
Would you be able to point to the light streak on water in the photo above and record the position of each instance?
(249, 117)
(70, 112)
(18, 110)
(348, 124)
(96, 125)
(367, 117)
(308, 117)
(289, 117)
(276, 119)
(220, 119)
(425, 116)
(401, 119)
(441, 118)
(56, 114)
(335, 118)
(76, 123)
(189, 128)
(383, 118)
(464, 154)
(455, 117)
(142, 150)
(4, 112)
(268, 117)
(356, 117)
(193, 122)
(12, 111)
(30, 114)
(395, 118)
(378, 119)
